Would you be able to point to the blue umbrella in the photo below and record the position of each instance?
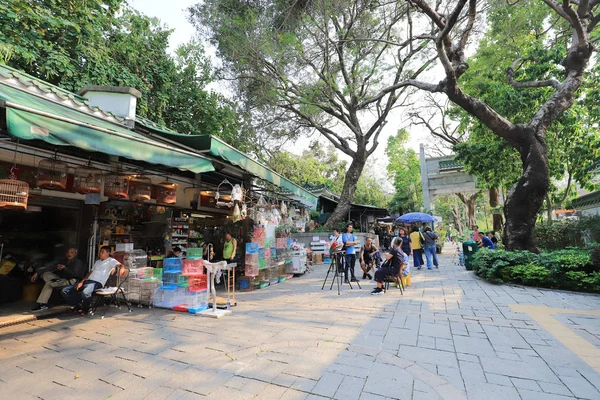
(413, 217)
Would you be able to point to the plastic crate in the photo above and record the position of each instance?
(264, 284)
(194, 252)
(282, 278)
(197, 283)
(192, 267)
(251, 258)
(274, 281)
(280, 243)
(172, 265)
(158, 274)
(200, 302)
(183, 281)
(273, 253)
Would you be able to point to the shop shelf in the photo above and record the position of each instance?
(172, 265)
(194, 252)
(193, 267)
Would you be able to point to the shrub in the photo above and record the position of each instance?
(572, 269)
(559, 234)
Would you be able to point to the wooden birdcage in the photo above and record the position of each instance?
(52, 174)
(140, 188)
(87, 179)
(167, 193)
(13, 193)
(116, 186)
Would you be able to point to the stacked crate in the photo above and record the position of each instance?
(184, 284)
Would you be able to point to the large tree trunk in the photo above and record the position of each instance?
(526, 197)
(497, 218)
(457, 221)
(470, 203)
(354, 171)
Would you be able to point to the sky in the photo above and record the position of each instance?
(173, 14)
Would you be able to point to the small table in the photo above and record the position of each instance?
(229, 285)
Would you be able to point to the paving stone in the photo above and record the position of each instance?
(328, 384)
(498, 379)
(475, 346)
(525, 384)
(535, 395)
(538, 371)
(428, 355)
(488, 391)
(350, 388)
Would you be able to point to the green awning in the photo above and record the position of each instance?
(32, 117)
(217, 147)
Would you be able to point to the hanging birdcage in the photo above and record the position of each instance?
(87, 180)
(52, 174)
(167, 192)
(140, 188)
(116, 186)
(13, 192)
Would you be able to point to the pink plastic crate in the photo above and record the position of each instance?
(251, 269)
(197, 283)
(192, 267)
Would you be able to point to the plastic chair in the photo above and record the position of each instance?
(395, 278)
(113, 287)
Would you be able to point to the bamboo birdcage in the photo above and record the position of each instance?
(140, 188)
(52, 174)
(13, 193)
(87, 180)
(116, 186)
(167, 193)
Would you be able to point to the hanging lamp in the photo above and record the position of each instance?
(87, 180)
(52, 173)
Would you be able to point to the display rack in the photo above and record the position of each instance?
(180, 232)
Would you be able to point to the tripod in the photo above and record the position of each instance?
(337, 267)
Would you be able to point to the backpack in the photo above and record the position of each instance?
(421, 239)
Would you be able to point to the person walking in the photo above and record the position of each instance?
(416, 243)
(430, 247)
(349, 241)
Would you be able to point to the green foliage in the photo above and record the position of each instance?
(317, 165)
(106, 42)
(369, 191)
(404, 167)
(559, 234)
(571, 269)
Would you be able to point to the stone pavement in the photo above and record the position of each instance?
(451, 336)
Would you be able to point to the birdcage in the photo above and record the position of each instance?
(13, 193)
(116, 186)
(167, 193)
(52, 174)
(87, 179)
(140, 188)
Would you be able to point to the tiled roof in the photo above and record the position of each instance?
(587, 200)
(22, 81)
(450, 164)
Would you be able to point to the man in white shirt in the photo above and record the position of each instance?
(82, 291)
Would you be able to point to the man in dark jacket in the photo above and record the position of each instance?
(62, 274)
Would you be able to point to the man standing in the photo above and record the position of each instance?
(430, 247)
(94, 280)
(64, 273)
(349, 241)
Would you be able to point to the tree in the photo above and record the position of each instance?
(316, 165)
(369, 190)
(454, 27)
(105, 42)
(405, 170)
(326, 66)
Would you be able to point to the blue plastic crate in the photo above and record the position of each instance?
(173, 264)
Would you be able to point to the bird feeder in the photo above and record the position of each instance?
(87, 180)
(167, 193)
(116, 186)
(13, 193)
(52, 174)
(140, 188)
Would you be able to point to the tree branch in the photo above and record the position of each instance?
(510, 75)
(558, 9)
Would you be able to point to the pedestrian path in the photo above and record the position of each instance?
(450, 336)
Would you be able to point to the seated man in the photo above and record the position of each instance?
(395, 259)
(487, 242)
(81, 293)
(63, 273)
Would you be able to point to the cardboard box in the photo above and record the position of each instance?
(318, 258)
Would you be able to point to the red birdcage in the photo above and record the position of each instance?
(52, 174)
(140, 188)
(167, 193)
(116, 186)
(87, 179)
